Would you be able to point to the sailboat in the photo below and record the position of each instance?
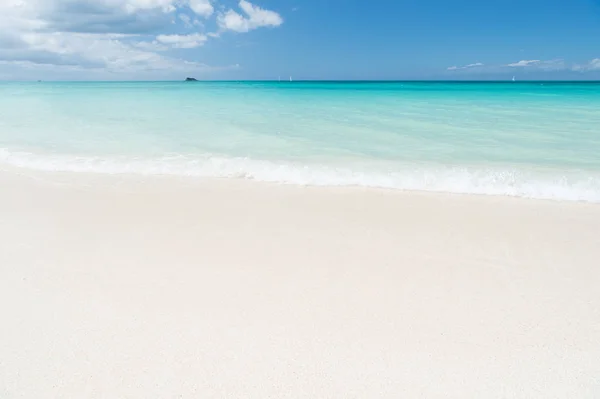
(514, 80)
(291, 79)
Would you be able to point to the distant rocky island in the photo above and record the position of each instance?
(191, 79)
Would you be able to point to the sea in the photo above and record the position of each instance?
(523, 139)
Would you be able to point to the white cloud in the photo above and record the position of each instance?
(113, 36)
(183, 41)
(260, 17)
(456, 68)
(203, 8)
(231, 20)
(187, 21)
(255, 17)
(544, 65)
(153, 45)
(524, 63)
(98, 16)
(135, 5)
(94, 51)
(592, 65)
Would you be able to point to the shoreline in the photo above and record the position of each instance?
(160, 287)
(538, 183)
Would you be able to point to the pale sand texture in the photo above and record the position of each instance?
(112, 288)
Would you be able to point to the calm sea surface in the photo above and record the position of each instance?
(530, 139)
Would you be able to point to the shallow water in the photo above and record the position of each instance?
(531, 139)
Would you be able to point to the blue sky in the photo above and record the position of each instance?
(307, 39)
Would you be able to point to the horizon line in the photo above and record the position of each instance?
(312, 80)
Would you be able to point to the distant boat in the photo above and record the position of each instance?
(514, 80)
(291, 79)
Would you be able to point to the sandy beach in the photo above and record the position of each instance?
(122, 287)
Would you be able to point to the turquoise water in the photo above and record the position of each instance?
(538, 139)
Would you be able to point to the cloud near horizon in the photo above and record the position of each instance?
(524, 63)
(593, 65)
(456, 68)
(531, 65)
(116, 36)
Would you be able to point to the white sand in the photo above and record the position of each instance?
(229, 289)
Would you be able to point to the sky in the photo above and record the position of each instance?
(306, 39)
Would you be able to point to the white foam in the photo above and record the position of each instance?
(464, 180)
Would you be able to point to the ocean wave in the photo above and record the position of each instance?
(572, 186)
